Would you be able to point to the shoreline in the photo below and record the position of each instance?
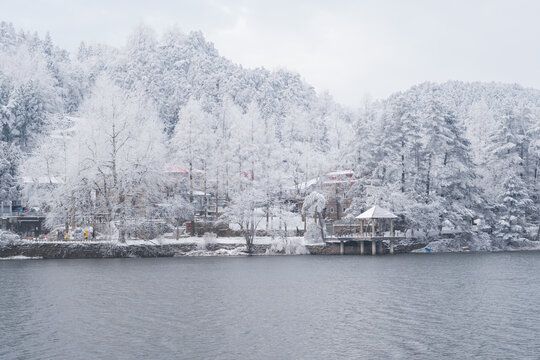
(34, 249)
(194, 246)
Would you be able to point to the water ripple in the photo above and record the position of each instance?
(304, 307)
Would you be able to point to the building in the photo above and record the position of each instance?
(334, 185)
(17, 216)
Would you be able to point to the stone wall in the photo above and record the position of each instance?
(82, 250)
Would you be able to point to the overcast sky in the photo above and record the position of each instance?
(350, 48)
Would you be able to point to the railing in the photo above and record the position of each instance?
(370, 234)
(366, 236)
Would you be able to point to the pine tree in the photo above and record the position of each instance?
(10, 157)
(451, 173)
(515, 207)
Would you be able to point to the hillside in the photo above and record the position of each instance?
(439, 154)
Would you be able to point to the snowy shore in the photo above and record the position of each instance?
(190, 246)
(11, 247)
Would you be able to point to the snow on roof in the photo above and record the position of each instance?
(376, 213)
(307, 184)
(310, 183)
(325, 181)
(340, 172)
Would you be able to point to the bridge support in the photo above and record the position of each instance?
(373, 247)
(341, 248)
(391, 247)
(361, 248)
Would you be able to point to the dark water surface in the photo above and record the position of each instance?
(297, 307)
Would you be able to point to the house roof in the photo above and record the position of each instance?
(376, 212)
(339, 172)
(333, 177)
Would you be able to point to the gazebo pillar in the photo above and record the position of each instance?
(378, 218)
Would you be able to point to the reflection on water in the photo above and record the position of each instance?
(296, 307)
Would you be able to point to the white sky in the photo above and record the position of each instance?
(350, 48)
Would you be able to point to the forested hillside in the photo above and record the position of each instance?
(108, 120)
(446, 154)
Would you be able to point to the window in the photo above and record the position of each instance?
(332, 210)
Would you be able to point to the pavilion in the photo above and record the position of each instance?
(374, 225)
(376, 216)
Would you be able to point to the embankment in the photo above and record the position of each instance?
(145, 249)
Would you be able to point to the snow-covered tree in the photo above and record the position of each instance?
(312, 208)
(179, 209)
(10, 156)
(114, 161)
(515, 207)
(432, 153)
(245, 210)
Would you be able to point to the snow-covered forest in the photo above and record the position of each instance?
(95, 137)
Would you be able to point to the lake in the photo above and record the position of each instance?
(421, 306)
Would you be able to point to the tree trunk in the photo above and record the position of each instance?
(428, 177)
(122, 232)
(205, 206)
(249, 234)
(217, 192)
(73, 211)
(267, 216)
(190, 182)
(402, 173)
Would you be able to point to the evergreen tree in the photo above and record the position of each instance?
(10, 157)
(515, 207)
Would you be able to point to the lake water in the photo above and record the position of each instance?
(421, 306)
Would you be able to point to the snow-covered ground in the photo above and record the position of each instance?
(21, 257)
(290, 245)
(262, 240)
(275, 245)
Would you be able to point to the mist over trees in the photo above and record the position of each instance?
(101, 126)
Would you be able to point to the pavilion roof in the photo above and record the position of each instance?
(376, 212)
